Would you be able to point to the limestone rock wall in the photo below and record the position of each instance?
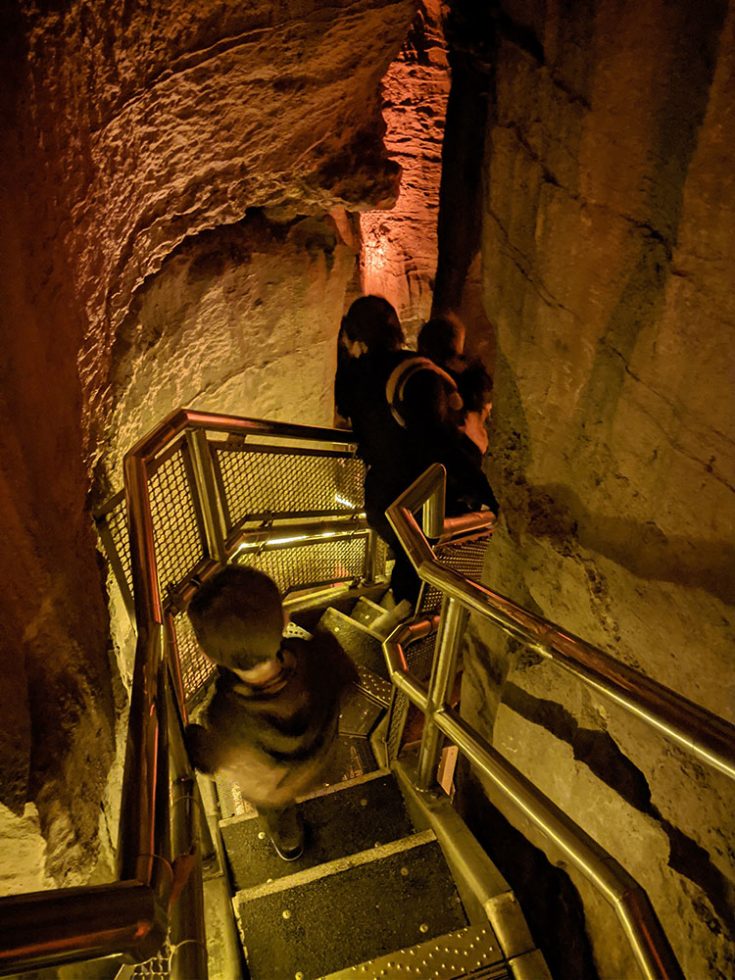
(167, 121)
(129, 131)
(399, 245)
(608, 241)
(241, 320)
(56, 703)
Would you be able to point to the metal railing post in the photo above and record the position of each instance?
(434, 505)
(187, 936)
(371, 556)
(206, 489)
(443, 673)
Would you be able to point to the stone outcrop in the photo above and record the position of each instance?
(608, 233)
(399, 245)
(240, 320)
(130, 133)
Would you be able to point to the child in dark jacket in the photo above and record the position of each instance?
(272, 720)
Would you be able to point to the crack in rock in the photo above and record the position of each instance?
(599, 752)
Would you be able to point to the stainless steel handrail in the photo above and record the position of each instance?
(630, 902)
(130, 916)
(709, 737)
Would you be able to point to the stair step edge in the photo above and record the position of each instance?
(347, 620)
(365, 611)
(469, 952)
(340, 787)
(335, 867)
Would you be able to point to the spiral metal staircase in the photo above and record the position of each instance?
(391, 883)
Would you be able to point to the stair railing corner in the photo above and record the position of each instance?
(709, 737)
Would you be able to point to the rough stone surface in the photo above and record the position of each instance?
(240, 320)
(399, 253)
(470, 108)
(22, 857)
(56, 700)
(607, 246)
(169, 121)
(127, 132)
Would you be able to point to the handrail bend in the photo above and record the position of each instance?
(630, 902)
(699, 731)
(709, 737)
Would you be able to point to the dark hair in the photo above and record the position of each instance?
(372, 320)
(237, 617)
(475, 385)
(439, 336)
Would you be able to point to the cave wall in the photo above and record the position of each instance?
(399, 252)
(56, 703)
(239, 320)
(607, 245)
(129, 133)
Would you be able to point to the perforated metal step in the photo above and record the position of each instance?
(349, 818)
(472, 952)
(357, 908)
(364, 646)
(364, 704)
(365, 611)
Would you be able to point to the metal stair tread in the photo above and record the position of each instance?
(361, 643)
(328, 917)
(365, 611)
(374, 686)
(360, 714)
(470, 952)
(348, 818)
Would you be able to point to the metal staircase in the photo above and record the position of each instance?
(392, 883)
(372, 895)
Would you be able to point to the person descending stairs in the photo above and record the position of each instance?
(372, 895)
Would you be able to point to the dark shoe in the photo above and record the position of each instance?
(286, 831)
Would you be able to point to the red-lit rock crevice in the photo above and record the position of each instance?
(399, 253)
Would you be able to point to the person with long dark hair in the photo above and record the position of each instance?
(370, 346)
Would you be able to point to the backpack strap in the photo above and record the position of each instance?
(399, 377)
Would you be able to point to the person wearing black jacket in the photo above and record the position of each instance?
(370, 347)
(404, 411)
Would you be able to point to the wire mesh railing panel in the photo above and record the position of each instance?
(177, 528)
(467, 558)
(195, 668)
(159, 966)
(339, 559)
(262, 482)
(420, 656)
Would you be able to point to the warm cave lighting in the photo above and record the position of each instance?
(375, 258)
(344, 501)
(250, 545)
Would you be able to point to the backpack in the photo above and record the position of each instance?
(395, 386)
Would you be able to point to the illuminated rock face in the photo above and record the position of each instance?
(175, 187)
(129, 135)
(243, 321)
(608, 240)
(399, 253)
